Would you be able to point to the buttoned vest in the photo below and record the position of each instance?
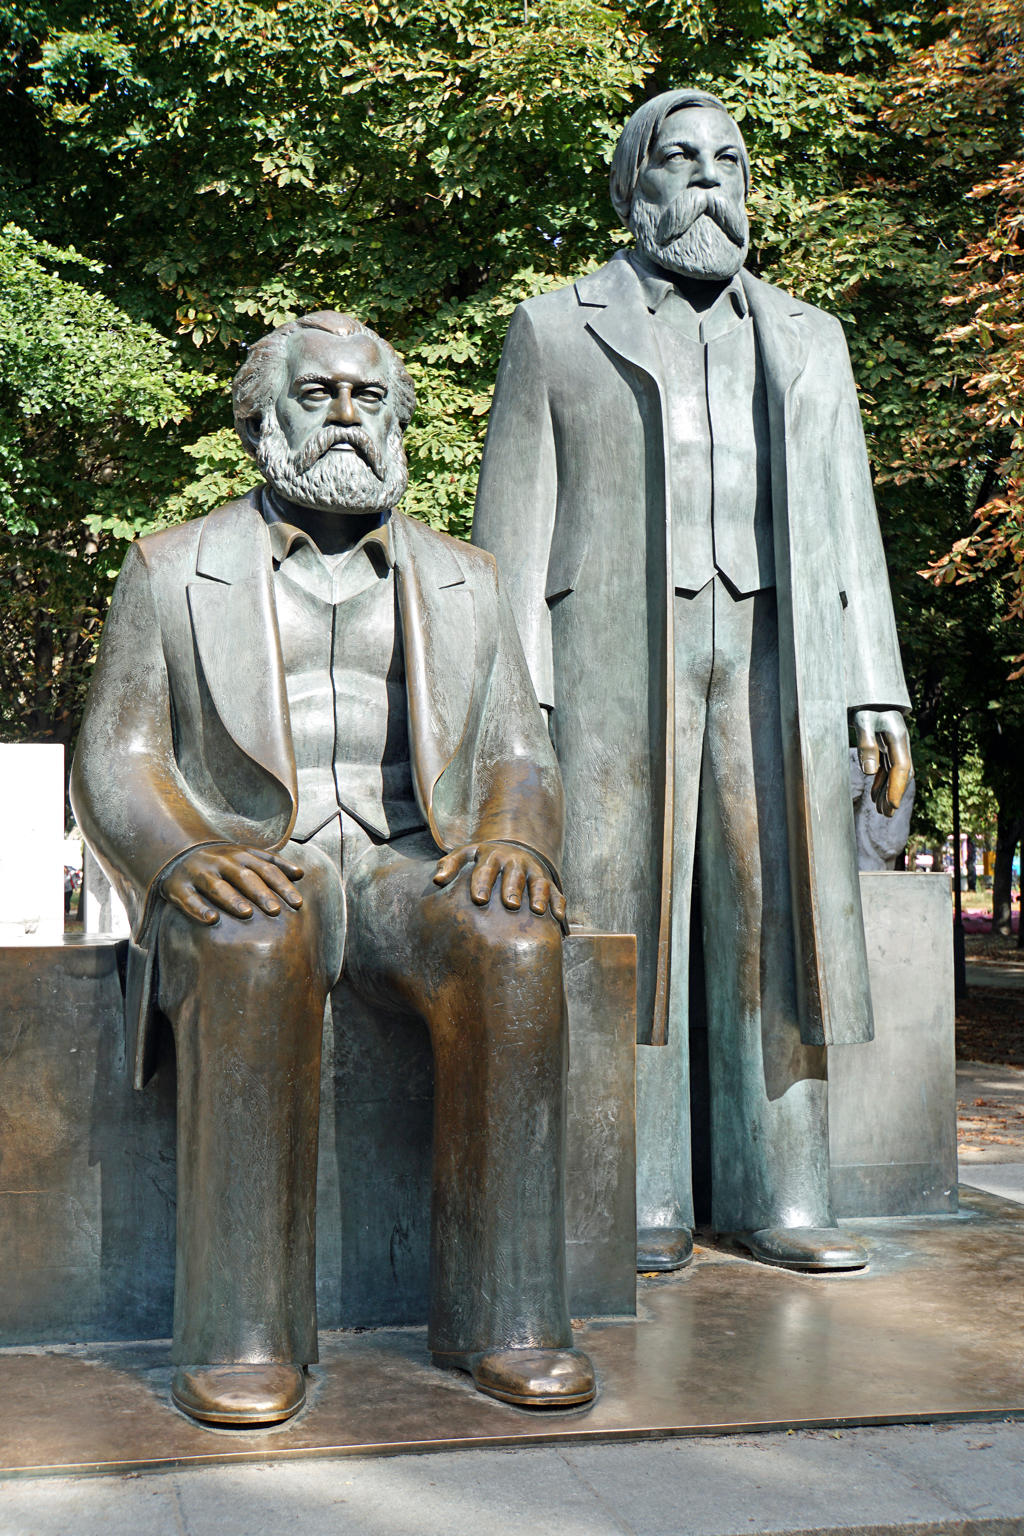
(718, 453)
(345, 680)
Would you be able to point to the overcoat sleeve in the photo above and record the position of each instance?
(127, 792)
(874, 669)
(517, 494)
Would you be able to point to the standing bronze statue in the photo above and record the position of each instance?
(676, 486)
(311, 745)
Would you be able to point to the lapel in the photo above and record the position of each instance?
(437, 613)
(783, 337)
(234, 622)
(619, 316)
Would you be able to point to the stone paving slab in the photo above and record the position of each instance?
(948, 1480)
(990, 1116)
(1006, 1180)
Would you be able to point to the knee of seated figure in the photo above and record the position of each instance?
(501, 933)
(259, 938)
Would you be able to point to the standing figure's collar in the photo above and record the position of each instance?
(656, 284)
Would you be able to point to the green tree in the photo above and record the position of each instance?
(87, 398)
(230, 163)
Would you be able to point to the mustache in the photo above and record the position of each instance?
(695, 202)
(329, 437)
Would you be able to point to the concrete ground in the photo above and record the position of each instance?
(990, 1128)
(964, 1479)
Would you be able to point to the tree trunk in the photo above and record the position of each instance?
(972, 862)
(1008, 835)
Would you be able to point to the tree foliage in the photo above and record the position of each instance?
(223, 165)
(89, 400)
(962, 99)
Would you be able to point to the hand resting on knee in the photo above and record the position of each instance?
(515, 870)
(234, 879)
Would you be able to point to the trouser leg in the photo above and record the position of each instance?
(488, 982)
(664, 1182)
(246, 1001)
(769, 1110)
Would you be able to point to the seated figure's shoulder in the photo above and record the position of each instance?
(170, 543)
(181, 542)
(431, 545)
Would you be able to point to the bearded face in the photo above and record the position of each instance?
(337, 469)
(688, 212)
(702, 233)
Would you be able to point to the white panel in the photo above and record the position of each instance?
(31, 841)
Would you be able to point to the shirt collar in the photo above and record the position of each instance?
(285, 538)
(655, 284)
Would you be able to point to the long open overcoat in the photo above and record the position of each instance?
(573, 502)
(186, 738)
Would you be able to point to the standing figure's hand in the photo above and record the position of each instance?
(516, 868)
(884, 747)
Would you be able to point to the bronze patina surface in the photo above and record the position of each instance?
(927, 1332)
(311, 752)
(676, 487)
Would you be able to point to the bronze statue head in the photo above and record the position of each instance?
(679, 179)
(322, 404)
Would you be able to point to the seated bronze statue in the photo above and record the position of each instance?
(312, 747)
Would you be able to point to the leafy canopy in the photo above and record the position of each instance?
(224, 165)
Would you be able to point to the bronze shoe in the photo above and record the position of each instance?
(805, 1248)
(244, 1395)
(663, 1248)
(529, 1378)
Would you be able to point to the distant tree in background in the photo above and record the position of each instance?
(222, 166)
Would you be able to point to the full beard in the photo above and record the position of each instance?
(325, 479)
(700, 234)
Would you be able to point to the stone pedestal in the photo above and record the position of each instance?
(87, 1165)
(87, 1168)
(892, 1103)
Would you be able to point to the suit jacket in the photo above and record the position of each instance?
(573, 501)
(186, 740)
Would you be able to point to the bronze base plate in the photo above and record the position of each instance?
(930, 1331)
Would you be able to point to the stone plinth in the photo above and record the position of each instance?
(87, 1165)
(892, 1104)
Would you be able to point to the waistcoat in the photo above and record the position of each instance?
(345, 681)
(718, 446)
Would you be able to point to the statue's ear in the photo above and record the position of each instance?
(251, 430)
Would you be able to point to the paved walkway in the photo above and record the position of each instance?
(963, 1479)
(990, 1118)
(1006, 976)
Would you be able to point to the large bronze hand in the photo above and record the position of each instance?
(884, 747)
(233, 878)
(516, 868)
